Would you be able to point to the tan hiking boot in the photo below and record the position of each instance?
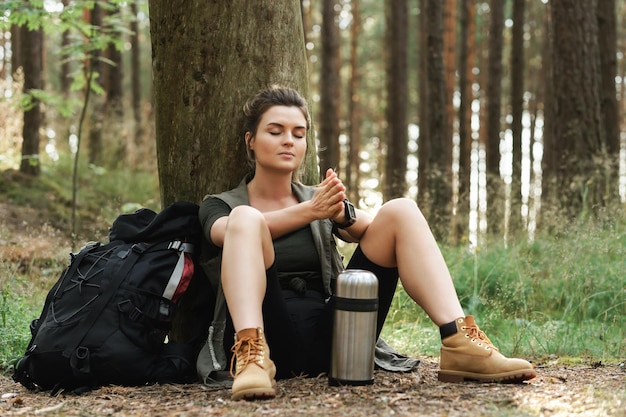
(469, 355)
(255, 371)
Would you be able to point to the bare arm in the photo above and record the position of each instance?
(326, 203)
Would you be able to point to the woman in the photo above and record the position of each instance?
(279, 260)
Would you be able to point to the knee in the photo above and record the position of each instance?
(245, 219)
(402, 209)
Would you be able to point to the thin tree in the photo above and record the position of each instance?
(31, 50)
(329, 84)
(495, 190)
(113, 106)
(135, 80)
(16, 55)
(467, 31)
(449, 65)
(64, 73)
(397, 100)
(354, 106)
(96, 116)
(517, 109)
(609, 108)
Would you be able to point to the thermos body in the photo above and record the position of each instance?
(354, 331)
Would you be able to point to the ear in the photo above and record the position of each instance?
(248, 139)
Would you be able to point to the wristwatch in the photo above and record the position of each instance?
(350, 215)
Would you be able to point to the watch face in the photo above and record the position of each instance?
(350, 212)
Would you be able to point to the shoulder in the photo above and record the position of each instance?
(235, 197)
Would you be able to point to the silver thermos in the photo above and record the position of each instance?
(354, 331)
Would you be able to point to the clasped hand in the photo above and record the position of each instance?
(328, 199)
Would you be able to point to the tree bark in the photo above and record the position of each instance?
(518, 65)
(96, 116)
(354, 107)
(329, 84)
(609, 107)
(31, 46)
(397, 100)
(208, 59)
(437, 172)
(467, 29)
(495, 189)
(579, 134)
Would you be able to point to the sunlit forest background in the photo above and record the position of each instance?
(505, 120)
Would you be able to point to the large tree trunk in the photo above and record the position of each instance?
(437, 171)
(208, 59)
(31, 53)
(579, 133)
(397, 100)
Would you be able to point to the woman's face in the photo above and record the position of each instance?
(280, 139)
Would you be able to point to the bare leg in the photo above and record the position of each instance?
(247, 253)
(399, 236)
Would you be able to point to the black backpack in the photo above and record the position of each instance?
(106, 319)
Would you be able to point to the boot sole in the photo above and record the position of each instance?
(513, 377)
(254, 394)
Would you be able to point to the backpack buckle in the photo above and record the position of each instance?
(140, 247)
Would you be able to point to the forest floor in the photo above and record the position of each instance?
(558, 390)
(562, 388)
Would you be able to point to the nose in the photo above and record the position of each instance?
(288, 138)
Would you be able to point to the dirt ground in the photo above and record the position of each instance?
(581, 390)
(592, 389)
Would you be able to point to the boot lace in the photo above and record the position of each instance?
(247, 350)
(475, 334)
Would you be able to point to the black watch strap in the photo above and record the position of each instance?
(350, 214)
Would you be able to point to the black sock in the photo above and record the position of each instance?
(447, 329)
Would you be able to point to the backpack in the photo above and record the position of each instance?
(106, 319)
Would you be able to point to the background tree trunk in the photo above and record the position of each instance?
(518, 65)
(32, 61)
(329, 85)
(16, 55)
(495, 189)
(96, 115)
(354, 108)
(467, 29)
(64, 75)
(578, 130)
(438, 170)
(397, 100)
(203, 77)
(114, 105)
(135, 84)
(609, 106)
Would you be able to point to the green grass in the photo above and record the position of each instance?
(561, 295)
